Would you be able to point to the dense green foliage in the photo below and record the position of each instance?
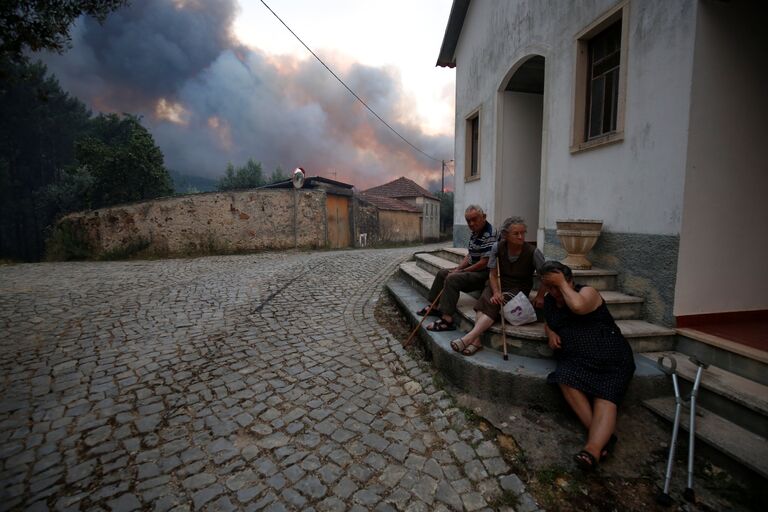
(44, 24)
(123, 160)
(38, 128)
(248, 176)
(56, 158)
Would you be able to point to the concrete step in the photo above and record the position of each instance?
(597, 278)
(530, 340)
(452, 254)
(748, 362)
(520, 380)
(744, 447)
(621, 305)
(743, 401)
(431, 262)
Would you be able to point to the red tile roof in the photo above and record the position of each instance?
(389, 203)
(401, 187)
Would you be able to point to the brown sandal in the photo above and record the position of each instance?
(471, 349)
(459, 345)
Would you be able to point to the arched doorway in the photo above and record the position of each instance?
(519, 169)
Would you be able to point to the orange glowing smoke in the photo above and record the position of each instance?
(173, 112)
(221, 130)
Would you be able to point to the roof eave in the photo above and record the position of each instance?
(447, 57)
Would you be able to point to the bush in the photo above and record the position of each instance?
(67, 242)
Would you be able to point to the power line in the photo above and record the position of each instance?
(346, 86)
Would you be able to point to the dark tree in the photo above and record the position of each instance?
(123, 160)
(278, 175)
(248, 176)
(38, 127)
(44, 24)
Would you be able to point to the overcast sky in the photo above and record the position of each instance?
(219, 81)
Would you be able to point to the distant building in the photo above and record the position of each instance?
(339, 223)
(398, 221)
(410, 192)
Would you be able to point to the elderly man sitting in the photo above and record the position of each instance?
(470, 275)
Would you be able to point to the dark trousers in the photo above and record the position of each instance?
(454, 284)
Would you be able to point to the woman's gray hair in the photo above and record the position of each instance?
(509, 221)
(475, 208)
(555, 266)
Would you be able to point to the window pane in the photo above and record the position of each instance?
(596, 107)
(475, 141)
(603, 85)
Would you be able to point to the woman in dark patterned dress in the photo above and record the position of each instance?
(594, 361)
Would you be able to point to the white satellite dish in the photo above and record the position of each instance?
(298, 178)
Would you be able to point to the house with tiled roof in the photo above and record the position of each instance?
(397, 221)
(410, 192)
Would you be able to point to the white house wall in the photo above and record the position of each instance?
(636, 185)
(723, 244)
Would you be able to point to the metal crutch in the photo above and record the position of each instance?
(664, 498)
(688, 494)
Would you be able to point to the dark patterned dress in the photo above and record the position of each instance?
(594, 356)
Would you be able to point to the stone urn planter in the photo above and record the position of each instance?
(578, 237)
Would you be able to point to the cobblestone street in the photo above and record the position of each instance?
(257, 382)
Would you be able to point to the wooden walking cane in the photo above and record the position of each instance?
(429, 310)
(501, 310)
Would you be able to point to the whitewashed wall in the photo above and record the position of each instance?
(723, 245)
(635, 186)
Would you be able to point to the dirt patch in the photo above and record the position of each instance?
(539, 445)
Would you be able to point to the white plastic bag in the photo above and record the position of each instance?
(518, 310)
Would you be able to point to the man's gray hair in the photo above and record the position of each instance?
(509, 221)
(474, 208)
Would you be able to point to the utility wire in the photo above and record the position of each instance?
(346, 86)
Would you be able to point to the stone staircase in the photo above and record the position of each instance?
(522, 379)
(732, 403)
(732, 411)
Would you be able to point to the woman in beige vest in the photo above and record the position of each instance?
(515, 260)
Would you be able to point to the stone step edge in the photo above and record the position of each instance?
(444, 263)
(594, 271)
(725, 344)
(611, 296)
(745, 392)
(515, 376)
(534, 331)
(747, 448)
(426, 278)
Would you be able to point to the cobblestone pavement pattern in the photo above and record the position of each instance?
(257, 382)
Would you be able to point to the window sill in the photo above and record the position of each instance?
(603, 140)
(468, 179)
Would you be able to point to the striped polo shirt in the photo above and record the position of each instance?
(480, 244)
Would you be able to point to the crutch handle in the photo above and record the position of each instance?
(698, 362)
(669, 370)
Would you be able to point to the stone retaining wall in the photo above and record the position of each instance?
(203, 223)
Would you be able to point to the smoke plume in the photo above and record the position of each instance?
(209, 100)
